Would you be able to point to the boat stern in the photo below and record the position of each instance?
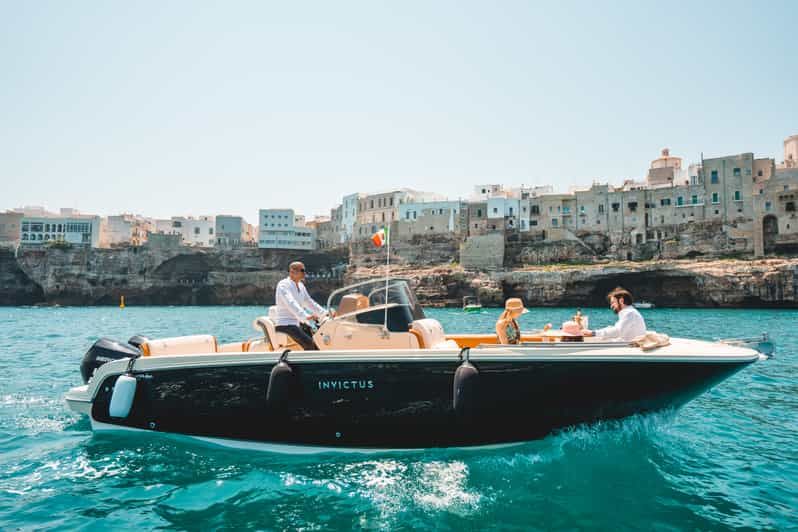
(78, 399)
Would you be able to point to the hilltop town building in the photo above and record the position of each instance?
(126, 229)
(10, 225)
(790, 152)
(432, 217)
(197, 231)
(378, 210)
(233, 232)
(69, 226)
(350, 207)
(282, 229)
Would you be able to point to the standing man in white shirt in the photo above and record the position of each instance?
(630, 323)
(294, 306)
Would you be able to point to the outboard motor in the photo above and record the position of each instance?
(105, 350)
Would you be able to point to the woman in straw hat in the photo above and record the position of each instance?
(507, 327)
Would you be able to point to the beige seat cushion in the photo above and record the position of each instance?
(431, 334)
(180, 345)
(277, 339)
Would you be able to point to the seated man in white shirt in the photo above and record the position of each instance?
(630, 323)
(294, 306)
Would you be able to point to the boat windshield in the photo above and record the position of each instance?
(373, 293)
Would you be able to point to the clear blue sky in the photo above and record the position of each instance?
(172, 108)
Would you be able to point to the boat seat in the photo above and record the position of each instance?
(276, 340)
(234, 347)
(429, 333)
(352, 303)
(180, 345)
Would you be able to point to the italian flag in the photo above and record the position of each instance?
(379, 237)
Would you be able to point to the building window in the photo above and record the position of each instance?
(601, 208)
(534, 209)
(737, 196)
(694, 200)
(554, 222)
(736, 172)
(511, 211)
(680, 201)
(632, 206)
(495, 210)
(715, 199)
(196, 230)
(789, 206)
(713, 177)
(759, 173)
(615, 207)
(582, 208)
(767, 205)
(533, 222)
(664, 202)
(479, 213)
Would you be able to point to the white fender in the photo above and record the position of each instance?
(122, 396)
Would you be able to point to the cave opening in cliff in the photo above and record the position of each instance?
(663, 290)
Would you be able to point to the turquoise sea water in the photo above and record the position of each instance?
(727, 460)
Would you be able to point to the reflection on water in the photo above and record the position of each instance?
(728, 459)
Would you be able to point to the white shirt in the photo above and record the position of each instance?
(293, 304)
(630, 325)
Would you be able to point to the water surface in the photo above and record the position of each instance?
(729, 459)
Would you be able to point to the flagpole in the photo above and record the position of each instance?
(387, 272)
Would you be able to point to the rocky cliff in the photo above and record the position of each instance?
(719, 283)
(186, 276)
(145, 276)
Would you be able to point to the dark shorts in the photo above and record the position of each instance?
(299, 336)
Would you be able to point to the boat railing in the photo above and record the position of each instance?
(763, 344)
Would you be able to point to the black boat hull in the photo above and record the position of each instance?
(408, 404)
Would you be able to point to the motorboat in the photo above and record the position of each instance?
(644, 305)
(471, 304)
(388, 377)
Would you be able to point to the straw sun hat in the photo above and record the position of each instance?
(514, 304)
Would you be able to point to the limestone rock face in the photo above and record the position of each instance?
(180, 276)
(16, 287)
(189, 276)
(728, 283)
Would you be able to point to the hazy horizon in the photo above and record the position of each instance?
(192, 108)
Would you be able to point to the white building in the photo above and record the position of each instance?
(412, 211)
(77, 229)
(282, 229)
(199, 231)
(349, 210)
